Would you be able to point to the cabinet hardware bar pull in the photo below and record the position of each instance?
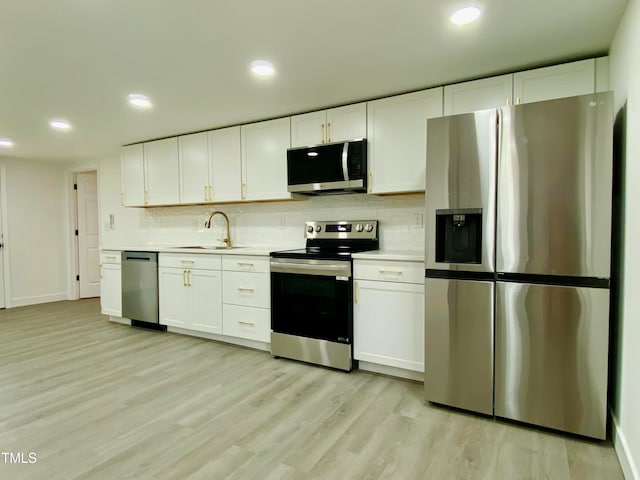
(187, 261)
(184, 278)
(241, 322)
(517, 100)
(146, 197)
(508, 102)
(248, 264)
(322, 133)
(328, 132)
(100, 270)
(386, 270)
(188, 278)
(245, 289)
(355, 293)
(206, 196)
(110, 257)
(210, 193)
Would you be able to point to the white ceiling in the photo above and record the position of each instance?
(78, 59)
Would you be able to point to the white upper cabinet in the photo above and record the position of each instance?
(264, 159)
(210, 166)
(397, 140)
(333, 125)
(566, 80)
(478, 95)
(602, 74)
(547, 83)
(162, 172)
(132, 175)
(194, 168)
(225, 183)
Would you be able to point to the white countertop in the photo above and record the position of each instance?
(239, 250)
(398, 255)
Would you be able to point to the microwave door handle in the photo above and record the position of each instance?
(345, 164)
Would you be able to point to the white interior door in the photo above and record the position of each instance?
(88, 235)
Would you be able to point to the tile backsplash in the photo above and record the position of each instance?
(281, 224)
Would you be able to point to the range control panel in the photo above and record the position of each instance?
(353, 229)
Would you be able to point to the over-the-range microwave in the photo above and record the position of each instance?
(339, 167)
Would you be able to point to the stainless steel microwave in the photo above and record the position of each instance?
(339, 167)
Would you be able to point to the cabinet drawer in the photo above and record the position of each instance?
(249, 289)
(389, 271)
(179, 260)
(247, 322)
(110, 256)
(246, 263)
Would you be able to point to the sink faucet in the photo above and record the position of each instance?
(207, 224)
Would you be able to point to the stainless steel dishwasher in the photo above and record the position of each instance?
(140, 287)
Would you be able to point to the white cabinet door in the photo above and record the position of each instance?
(389, 324)
(205, 288)
(334, 125)
(132, 175)
(264, 159)
(162, 170)
(566, 80)
(476, 95)
(174, 297)
(225, 184)
(602, 74)
(111, 289)
(194, 168)
(308, 129)
(397, 140)
(346, 123)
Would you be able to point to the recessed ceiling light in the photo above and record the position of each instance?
(262, 68)
(60, 124)
(5, 142)
(465, 15)
(139, 100)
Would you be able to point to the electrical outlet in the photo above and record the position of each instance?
(418, 220)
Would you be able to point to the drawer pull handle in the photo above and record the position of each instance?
(245, 289)
(395, 272)
(245, 264)
(110, 257)
(187, 261)
(241, 322)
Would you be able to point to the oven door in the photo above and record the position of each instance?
(312, 298)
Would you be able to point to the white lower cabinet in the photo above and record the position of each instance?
(190, 298)
(246, 296)
(247, 322)
(110, 283)
(389, 315)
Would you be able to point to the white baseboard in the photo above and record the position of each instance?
(627, 462)
(392, 371)
(123, 321)
(223, 338)
(24, 301)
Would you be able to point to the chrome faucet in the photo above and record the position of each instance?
(207, 224)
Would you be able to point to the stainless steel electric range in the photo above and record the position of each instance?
(312, 293)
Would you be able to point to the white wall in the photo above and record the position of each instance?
(35, 244)
(625, 80)
(273, 224)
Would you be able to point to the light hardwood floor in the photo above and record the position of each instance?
(96, 400)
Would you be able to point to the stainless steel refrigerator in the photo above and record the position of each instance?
(518, 248)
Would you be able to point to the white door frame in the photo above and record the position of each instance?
(73, 286)
(5, 232)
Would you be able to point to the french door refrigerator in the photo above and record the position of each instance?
(518, 248)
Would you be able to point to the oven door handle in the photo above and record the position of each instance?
(311, 269)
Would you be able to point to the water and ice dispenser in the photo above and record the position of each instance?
(459, 235)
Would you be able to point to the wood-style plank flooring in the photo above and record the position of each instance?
(97, 400)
